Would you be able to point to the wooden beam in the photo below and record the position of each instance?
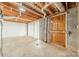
(49, 11)
(3, 4)
(46, 8)
(17, 19)
(26, 17)
(14, 4)
(31, 14)
(12, 20)
(29, 9)
(60, 6)
(58, 14)
(9, 11)
(40, 4)
(46, 5)
(53, 6)
(32, 5)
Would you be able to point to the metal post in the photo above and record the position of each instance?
(1, 38)
(1, 32)
(27, 29)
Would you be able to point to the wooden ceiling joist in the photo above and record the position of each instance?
(47, 5)
(11, 4)
(60, 6)
(37, 6)
(9, 11)
(40, 4)
(49, 11)
(34, 10)
(55, 8)
(27, 17)
(37, 9)
(32, 14)
(18, 20)
(31, 9)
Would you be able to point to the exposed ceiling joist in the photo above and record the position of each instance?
(13, 5)
(18, 20)
(29, 7)
(24, 19)
(9, 11)
(60, 6)
(49, 11)
(31, 14)
(27, 17)
(46, 5)
(40, 4)
(9, 5)
(34, 10)
(53, 6)
(33, 5)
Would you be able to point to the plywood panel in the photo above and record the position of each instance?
(16, 20)
(9, 12)
(58, 38)
(59, 30)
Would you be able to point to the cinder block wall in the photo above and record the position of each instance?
(13, 29)
(33, 29)
(44, 29)
(72, 22)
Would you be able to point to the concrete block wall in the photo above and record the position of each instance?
(42, 29)
(45, 29)
(72, 22)
(48, 30)
(13, 29)
(33, 29)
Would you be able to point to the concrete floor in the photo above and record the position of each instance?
(29, 47)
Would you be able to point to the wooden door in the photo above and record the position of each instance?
(59, 30)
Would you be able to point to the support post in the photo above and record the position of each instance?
(27, 29)
(1, 19)
(1, 38)
(78, 27)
